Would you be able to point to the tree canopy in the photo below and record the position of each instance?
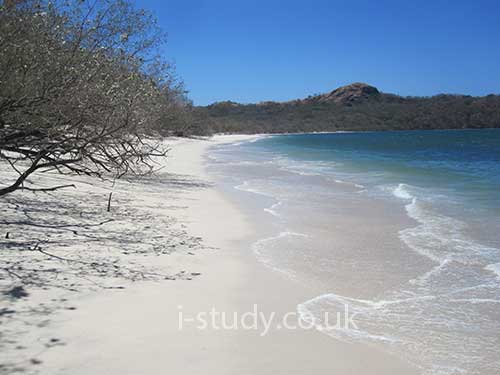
(348, 109)
(81, 86)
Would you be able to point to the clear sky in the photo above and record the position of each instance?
(251, 51)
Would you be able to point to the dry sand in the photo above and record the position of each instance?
(135, 330)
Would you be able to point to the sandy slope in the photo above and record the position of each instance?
(136, 330)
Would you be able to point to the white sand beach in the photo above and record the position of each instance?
(132, 325)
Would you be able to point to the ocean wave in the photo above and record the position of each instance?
(442, 238)
(401, 191)
(338, 181)
(262, 245)
(218, 158)
(361, 311)
(495, 268)
(476, 300)
(305, 167)
(272, 209)
(438, 237)
(307, 314)
(246, 186)
(255, 138)
(243, 163)
(407, 192)
(406, 327)
(423, 279)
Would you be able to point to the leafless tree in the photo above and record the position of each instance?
(81, 85)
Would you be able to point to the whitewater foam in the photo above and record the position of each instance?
(272, 210)
(254, 139)
(442, 238)
(304, 167)
(401, 191)
(495, 268)
(245, 186)
(406, 326)
(261, 245)
(359, 186)
(423, 279)
(335, 304)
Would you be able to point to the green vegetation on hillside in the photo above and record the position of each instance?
(352, 108)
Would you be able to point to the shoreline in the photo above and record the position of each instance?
(392, 249)
(346, 131)
(136, 330)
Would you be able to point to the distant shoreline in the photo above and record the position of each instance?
(351, 131)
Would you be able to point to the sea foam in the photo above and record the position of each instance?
(272, 210)
(401, 191)
(495, 268)
(260, 247)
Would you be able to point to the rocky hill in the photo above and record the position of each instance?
(347, 95)
(357, 106)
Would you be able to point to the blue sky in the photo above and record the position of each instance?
(251, 51)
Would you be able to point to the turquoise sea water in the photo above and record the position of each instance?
(465, 164)
(404, 227)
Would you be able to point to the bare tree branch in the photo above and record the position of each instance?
(80, 88)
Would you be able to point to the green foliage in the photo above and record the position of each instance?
(383, 112)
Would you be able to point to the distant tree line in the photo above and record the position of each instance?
(380, 112)
(81, 88)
